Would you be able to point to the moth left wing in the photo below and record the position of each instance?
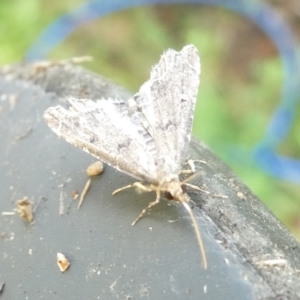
(105, 130)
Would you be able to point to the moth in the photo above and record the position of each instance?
(147, 137)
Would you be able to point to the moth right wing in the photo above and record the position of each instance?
(166, 104)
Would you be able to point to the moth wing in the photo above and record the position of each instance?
(167, 102)
(105, 130)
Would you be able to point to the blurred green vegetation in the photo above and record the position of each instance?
(241, 76)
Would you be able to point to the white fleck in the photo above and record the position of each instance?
(272, 263)
(8, 213)
(13, 101)
(173, 221)
(241, 195)
(61, 204)
(12, 236)
(3, 97)
(112, 286)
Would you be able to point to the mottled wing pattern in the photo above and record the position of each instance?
(147, 138)
(167, 102)
(105, 130)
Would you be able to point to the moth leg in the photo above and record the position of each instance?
(204, 191)
(136, 184)
(151, 204)
(191, 163)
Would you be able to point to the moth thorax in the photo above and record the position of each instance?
(174, 190)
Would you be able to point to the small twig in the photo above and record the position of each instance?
(84, 192)
(25, 134)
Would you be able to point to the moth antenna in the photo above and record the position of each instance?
(197, 231)
(190, 178)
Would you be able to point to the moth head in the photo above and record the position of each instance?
(178, 194)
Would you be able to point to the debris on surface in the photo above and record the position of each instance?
(13, 99)
(92, 170)
(61, 204)
(95, 169)
(84, 192)
(2, 285)
(241, 195)
(25, 209)
(272, 263)
(75, 195)
(24, 134)
(62, 262)
(8, 213)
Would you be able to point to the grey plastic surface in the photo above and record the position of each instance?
(156, 259)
